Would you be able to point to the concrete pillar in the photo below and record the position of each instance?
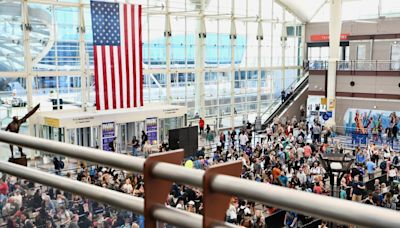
(200, 41)
(83, 59)
(26, 28)
(260, 37)
(335, 27)
(233, 43)
(167, 35)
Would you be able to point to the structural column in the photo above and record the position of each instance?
(200, 39)
(335, 27)
(232, 36)
(283, 52)
(167, 35)
(82, 53)
(260, 37)
(28, 67)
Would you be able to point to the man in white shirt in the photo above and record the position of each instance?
(302, 176)
(243, 140)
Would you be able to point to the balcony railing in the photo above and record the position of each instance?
(329, 208)
(359, 65)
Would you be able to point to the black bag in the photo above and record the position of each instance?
(61, 165)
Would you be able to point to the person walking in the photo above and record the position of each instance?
(201, 125)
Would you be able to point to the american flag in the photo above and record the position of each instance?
(117, 39)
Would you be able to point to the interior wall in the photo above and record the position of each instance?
(382, 26)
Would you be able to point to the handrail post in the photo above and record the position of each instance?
(216, 204)
(156, 189)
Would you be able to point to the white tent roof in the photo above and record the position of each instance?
(318, 10)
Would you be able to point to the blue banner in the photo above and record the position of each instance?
(108, 135)
(151, 129)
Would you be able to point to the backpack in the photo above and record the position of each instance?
(383, 165)
(197, 164)
(61, 164)
(240, 214)
(395, 160)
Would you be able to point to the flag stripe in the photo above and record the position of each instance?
(96, 78)
(105, 82)
(114, 98)
(140, 55)
(108, 76)
(134, 20)
(100, 77)
(127, 59)
(122, 58)
(121, 93)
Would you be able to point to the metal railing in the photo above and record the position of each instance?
(356, 65)
(323, 207)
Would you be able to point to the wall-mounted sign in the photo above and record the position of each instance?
(80, 120)
(323, 101)
(51, 122)
(325, 37)
(332, 104)
(326, 115)
(108, 135)
(151, 130)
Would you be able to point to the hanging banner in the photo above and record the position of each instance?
(332, 104)
(108, 135)
(151, 130)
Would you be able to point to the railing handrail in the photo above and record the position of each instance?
(104, 195)
(324, 207)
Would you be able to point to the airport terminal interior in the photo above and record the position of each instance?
(199, 113)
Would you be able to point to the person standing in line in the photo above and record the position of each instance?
(112, 144)
(357, 189)
(243, 139)
(222, 139)
(370, 168)
(135, 146)
(233, 137)
(201, 125)
(144, 138)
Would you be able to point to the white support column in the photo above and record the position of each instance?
(233, 43)
(200, 39)
(335, 27)
(28, 69)
(260, 37)
(303, 46)
(283, 51)
(82, 54)
(167, 35)
(271, 74)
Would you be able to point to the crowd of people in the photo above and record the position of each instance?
(287, 156)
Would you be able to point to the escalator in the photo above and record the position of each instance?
(291, 105)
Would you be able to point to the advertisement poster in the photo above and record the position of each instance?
(367, 119)
(151, 129)
(108, 134)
